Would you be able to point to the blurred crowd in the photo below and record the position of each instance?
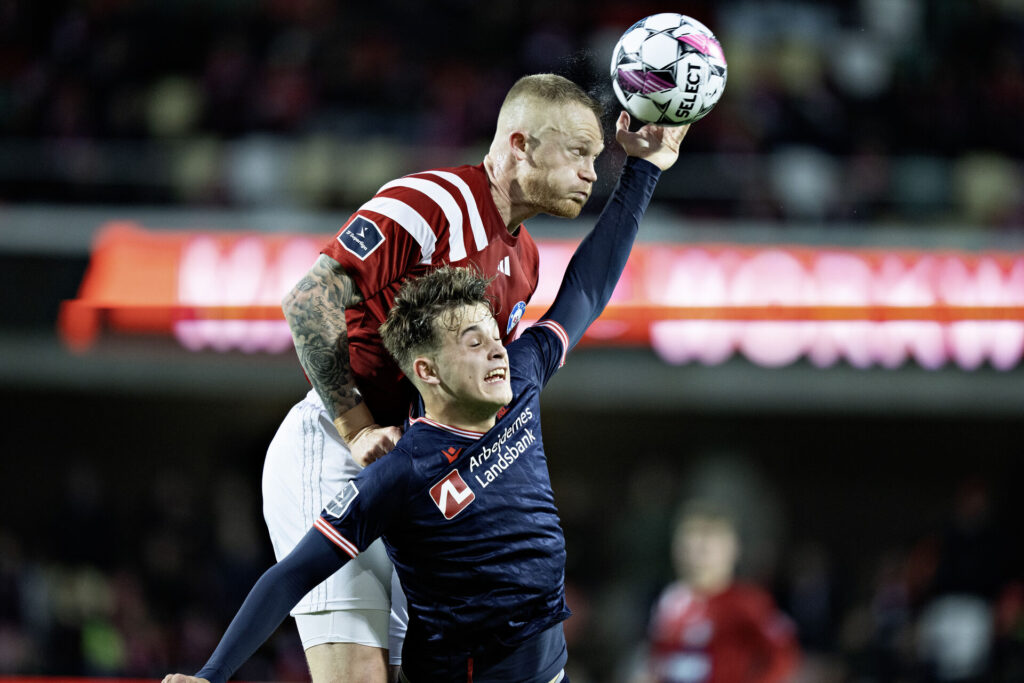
(851, 110)
(139, 583)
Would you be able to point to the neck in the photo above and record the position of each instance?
(500, 179)
(452, 416)
(709, 585)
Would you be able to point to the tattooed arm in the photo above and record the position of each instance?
(315, 310)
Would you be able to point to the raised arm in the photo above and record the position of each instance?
(315, 310)
(268, 603)
(596, 265)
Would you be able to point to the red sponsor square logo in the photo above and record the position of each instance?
(452, 495)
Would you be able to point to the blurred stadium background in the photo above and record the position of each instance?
(131, 524)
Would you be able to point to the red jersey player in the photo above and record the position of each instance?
(541, 160)
(708, 628)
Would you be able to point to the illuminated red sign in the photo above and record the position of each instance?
(704, 303)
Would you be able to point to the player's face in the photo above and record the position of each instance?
(705, 551)
(560, 175)
(472, 363)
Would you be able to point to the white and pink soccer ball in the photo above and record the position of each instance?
(668, 69)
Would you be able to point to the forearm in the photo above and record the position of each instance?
(315, 310)
(268, 603)
(598, 262)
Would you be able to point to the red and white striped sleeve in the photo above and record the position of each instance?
(429, 218)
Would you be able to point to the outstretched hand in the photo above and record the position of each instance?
(182, 678)
(657, 144)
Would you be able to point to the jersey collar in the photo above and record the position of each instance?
(467, 433)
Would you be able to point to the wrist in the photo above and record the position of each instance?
(354, 422)
(642, 165)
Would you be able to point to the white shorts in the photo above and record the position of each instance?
(307, 465)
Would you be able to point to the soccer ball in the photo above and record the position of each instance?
(668, 69)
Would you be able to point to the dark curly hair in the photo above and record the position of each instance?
(418, 315)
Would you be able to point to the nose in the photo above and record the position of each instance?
(588, 172)
(498, 350)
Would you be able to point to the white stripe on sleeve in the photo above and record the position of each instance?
(409, 219)
(443, 198)
(324, 527)
(560, 333)
(475, 222)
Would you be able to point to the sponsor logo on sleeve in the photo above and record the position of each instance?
(339, 506)
(361, 237)
(515, 316)
(452, 495)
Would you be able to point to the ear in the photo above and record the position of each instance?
(517, 142)
(425, 370)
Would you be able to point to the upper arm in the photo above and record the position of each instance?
(386, 238)
(540, 351)
(368, 505)
(326, 280)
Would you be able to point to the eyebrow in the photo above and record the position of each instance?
(588, 143)
(475, 327)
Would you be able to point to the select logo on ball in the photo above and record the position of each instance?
(668, 69)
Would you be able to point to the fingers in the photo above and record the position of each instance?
(374, 444)
(680, 132)
(622, 124)
(393, 434)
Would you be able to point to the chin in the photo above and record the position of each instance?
(566, 209)
(500, 399)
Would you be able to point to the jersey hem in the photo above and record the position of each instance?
(346, 605)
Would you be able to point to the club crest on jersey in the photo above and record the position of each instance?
(361, 237)
(339, 506)
(452, 495)
(515, 316)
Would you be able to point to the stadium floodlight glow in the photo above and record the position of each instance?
(691, 303)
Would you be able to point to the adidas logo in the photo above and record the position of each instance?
(504, 268)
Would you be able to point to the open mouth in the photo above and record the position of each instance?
(495, 376)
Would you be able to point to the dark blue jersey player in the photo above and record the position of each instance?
(464, 502)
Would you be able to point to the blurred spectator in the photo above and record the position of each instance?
(707, 626)
(956, 626)
(876, 635)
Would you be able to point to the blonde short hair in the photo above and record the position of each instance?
(554, 89)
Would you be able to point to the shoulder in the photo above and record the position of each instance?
(749, 598)
(748, 591)
(673, 593)
(544, 339)
(389, 471)
(461, 180)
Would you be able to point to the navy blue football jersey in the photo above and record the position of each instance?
(469, 520)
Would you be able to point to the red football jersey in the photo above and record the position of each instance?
(736, 636)
(414, 224)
